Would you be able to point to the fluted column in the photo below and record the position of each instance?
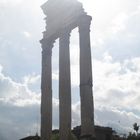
(46, 90)
(64, 86)
(86, 95)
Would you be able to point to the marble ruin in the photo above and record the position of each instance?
(62, 16)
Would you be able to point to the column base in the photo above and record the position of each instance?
(87, 137)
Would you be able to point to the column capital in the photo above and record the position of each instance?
(65, 33)
(84, 23)
(47, 45)
(64, 37)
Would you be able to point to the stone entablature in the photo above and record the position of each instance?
(61, 14)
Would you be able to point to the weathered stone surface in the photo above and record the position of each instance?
(62, 17)
(64, 86)
(86, 95)
(61, 14)
(46, 90)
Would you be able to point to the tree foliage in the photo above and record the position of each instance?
(136, 127)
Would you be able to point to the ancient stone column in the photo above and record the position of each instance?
(64, 86)
(46, 90)
(86, 95)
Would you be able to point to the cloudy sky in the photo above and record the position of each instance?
(115, 46)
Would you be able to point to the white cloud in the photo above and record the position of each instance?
(116, 84)
(26, 34)
(11, 2)
(76, 120)
(16, 93)
(115, 118)
(119, 23)
(115, 31)
(31, 79)
(113, 86)
(1, 68)
(19, 107)
(55, 76)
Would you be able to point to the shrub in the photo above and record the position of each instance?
(56, 137)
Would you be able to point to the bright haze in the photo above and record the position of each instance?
(115, 43)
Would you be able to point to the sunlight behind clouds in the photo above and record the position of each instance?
(26, 34)
(12, 2)
(116, 64)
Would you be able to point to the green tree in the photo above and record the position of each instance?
(136, 128)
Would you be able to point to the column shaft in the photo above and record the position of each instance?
(46, 92)
(86, 95)
(64, 87)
